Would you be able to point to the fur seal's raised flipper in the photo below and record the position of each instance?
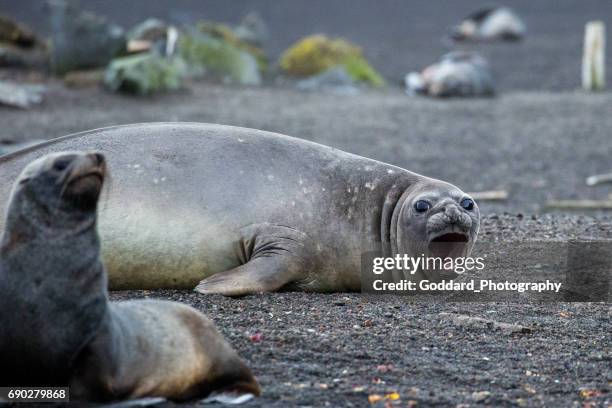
(183, 193)
(58, 327)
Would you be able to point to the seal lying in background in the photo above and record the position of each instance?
(246, 211)
(58, 327)
(490, 24)
(458, 73)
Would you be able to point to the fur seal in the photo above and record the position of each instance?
(238, 211)
(490, 24)
(58, 328)
(459, 73)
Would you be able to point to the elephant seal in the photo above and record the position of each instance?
(244, 211)
(457, 74)
(58, 328)
(490, 24)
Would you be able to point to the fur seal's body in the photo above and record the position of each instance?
(251, 211)
(458, 73)
(58, 327)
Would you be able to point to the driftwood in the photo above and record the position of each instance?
(494, 195)
(599, 179)
(581, 204)
(479, 322)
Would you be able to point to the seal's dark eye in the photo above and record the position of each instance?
(468, 204)
(422, 206)
(61, 164)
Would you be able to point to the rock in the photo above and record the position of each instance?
(225, 33)
(479, 322)
(460, 73)
(16, 33)
(145, 74)
(206, 55)
(20, 96)
(14, 56)
(83, 79)
(490, 24)
(335, 80)
(82, 40)
(317, 53)
(480, 396)
(252, 29)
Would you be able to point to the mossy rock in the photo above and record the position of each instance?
(226, 33)
(317, 53)
(208, 55)
(145, 74)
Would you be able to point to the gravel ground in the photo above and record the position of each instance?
(327, 350)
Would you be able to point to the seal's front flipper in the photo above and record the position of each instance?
(274, 256)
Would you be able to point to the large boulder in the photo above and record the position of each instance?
(225, 33)
(19, 46)
(335, 80)
(82, 40)
(213, 56)
(16, 33)
(145, 74)
(317, 53)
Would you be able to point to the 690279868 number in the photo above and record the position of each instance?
(35, 394)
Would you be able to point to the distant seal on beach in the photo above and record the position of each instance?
(490, 24)
(236, 211)
(457, 74)
(58, 327)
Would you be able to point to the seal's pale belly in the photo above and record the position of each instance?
(140, 245)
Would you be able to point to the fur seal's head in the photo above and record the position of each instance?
(59, 190)
(437, 220)
(492, 23)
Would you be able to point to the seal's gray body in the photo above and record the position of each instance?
(187, 201)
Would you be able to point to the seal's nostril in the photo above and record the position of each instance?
(98, 157)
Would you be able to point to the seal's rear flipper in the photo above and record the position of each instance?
(260, 275)
(274, 256)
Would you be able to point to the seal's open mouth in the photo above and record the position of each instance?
(452, 244)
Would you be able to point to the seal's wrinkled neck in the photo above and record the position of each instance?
(394, 200)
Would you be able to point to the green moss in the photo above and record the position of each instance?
(225, 33)
(361, 71)
(144, 74)
(317, 53)
(208, 55)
